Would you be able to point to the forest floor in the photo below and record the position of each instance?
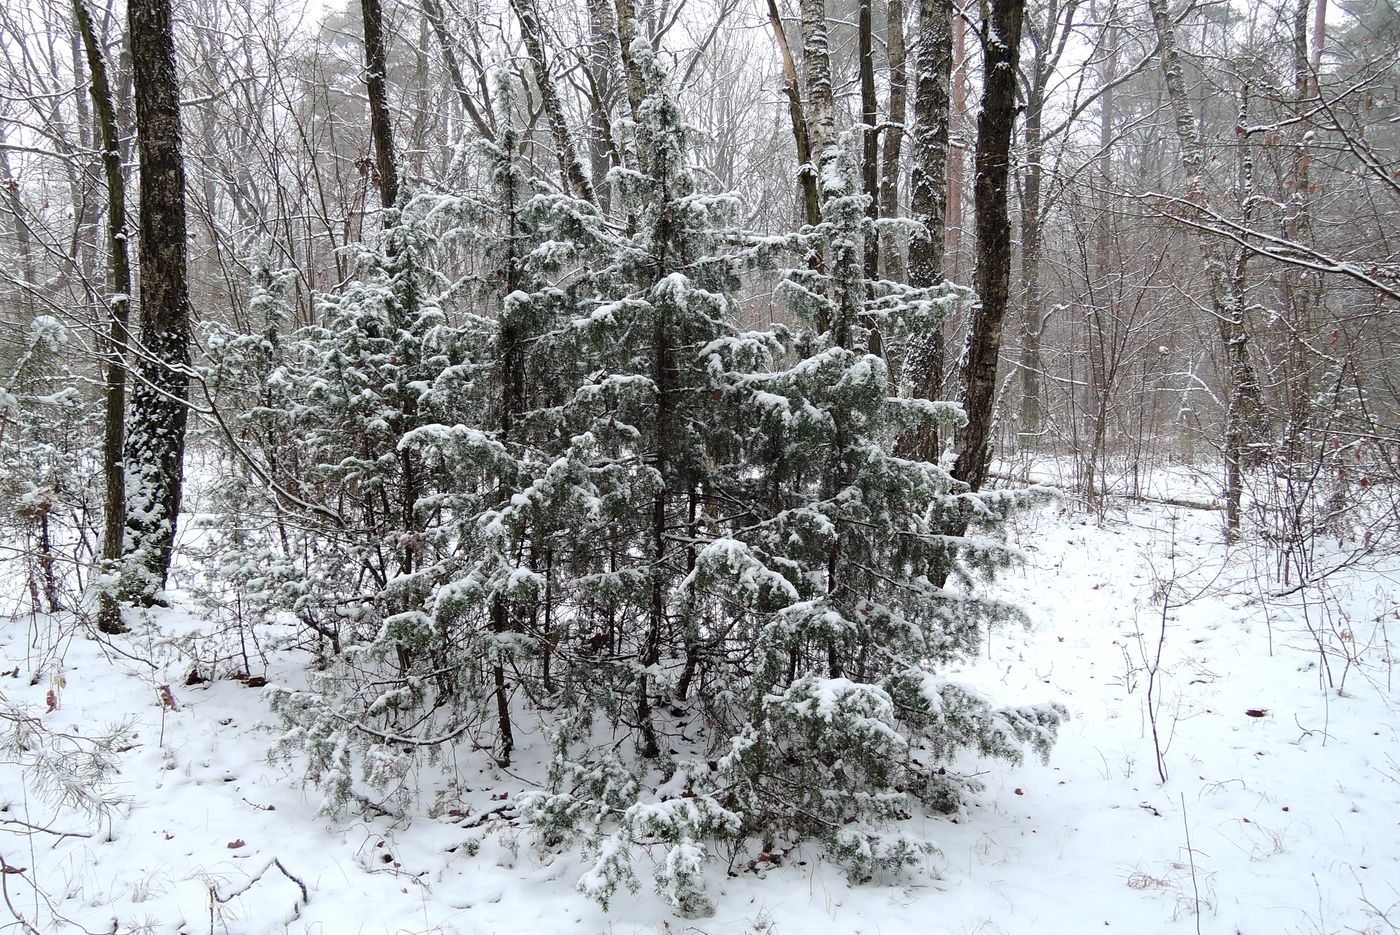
(1275, 718)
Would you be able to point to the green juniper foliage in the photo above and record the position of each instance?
(47, 475)
(568, 487)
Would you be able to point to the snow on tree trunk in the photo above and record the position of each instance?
(155, 441)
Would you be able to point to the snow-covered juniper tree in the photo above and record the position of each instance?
(439, 437)
(328, 511)
(494, 595)
(265, 552)
(779, 622)
(45, 474)
(376, 373)
(689, 548)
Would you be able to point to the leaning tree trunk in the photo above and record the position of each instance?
(1001, 42)
(109, 617)
(575, 179)
(1243, 408)
(432, 9)
(928, 182)
(807, 179)
(155, 442)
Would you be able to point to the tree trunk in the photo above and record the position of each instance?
(432, 9)
(381, 129)
(892, 258)
(933, 64)
(1243, 409)
(155, 442)
(870, 135)
(575, 179)
(510, 355)
(109, 617)
(601, 65)
(626, 35)
(811, 198)
(1001, 42)
(1319, 38)
(953, 226)
(816, 73)
(870, 163)
(85, 212)
(23, 235)
(1032, 229)
(1102, 305)
(1048, 39)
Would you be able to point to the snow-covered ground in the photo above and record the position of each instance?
(1276, 719)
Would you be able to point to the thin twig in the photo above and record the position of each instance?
(1191, 859)
(5, 870)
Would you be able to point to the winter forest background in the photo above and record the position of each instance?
(652, 465)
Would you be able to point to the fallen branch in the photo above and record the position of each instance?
(40, 829)
(275, 862)
(486, 816)
(1136, 497)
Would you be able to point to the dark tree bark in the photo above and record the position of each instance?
(977, 370)
(894, 265)
(405, 416)
(109, 618)
(510, 355)
(664, 378)
(870, 137)
(870, 160)
(933, 63)
(155, 442)
(85, 208)
(381, 129)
